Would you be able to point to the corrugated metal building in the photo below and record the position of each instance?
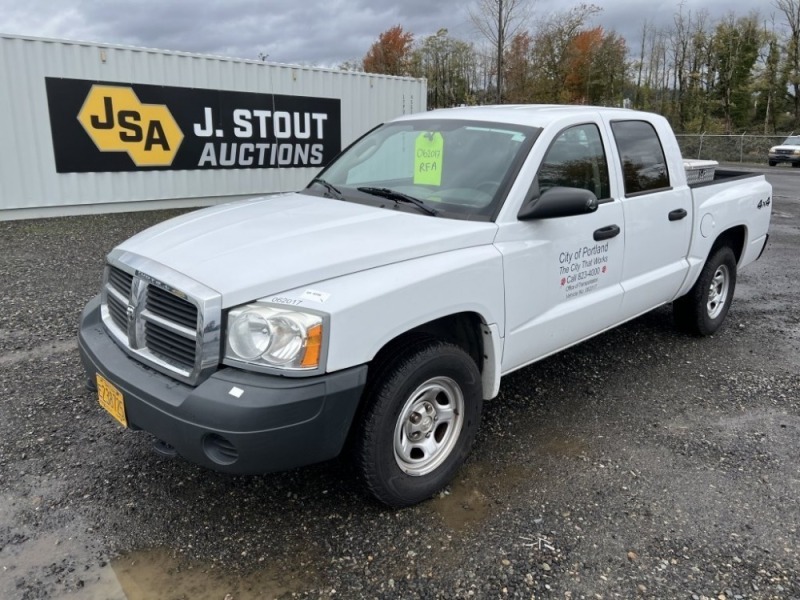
(98, 128)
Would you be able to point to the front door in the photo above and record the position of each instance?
(563, 275)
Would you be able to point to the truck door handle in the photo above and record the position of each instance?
(677, 214)
(605, 233)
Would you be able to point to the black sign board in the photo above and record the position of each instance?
(102, 126)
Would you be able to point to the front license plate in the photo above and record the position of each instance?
(111, 399)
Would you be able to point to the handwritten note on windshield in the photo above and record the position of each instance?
(428, 157)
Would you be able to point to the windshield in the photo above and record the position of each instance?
(460, 169)
(792, 141)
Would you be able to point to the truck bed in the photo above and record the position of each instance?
(726, 175)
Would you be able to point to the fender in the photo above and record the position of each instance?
(371, 308)
(722, 207)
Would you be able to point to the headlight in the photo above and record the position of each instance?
(274, 337)
(796, 151)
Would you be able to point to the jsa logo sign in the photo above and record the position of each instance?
(117, 121)
(111, 127)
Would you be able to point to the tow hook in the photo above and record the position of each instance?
(164, 449)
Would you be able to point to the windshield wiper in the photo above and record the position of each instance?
(333, 191)
(399, 197)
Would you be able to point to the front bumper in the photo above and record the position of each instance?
(787, 158)
(235, 421)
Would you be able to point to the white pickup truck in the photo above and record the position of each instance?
(378, 308)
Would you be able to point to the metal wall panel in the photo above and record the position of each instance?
(28, 177)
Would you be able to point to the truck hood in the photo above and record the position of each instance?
(259, 247)
(776, 148)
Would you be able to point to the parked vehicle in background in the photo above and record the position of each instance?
(381, 306)
(787, 152)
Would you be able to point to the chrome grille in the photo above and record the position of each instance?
(171, 307)
(121, 281)
(173, 348)
(161, 317)
(118, 311)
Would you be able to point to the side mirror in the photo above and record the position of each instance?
(559, 202)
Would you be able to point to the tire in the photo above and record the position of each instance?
(702, 311)
(771, 163)
(796, 164)
(420, 420)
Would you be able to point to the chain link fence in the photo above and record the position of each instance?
(728, 148)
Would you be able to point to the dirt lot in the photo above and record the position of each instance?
(642, 463)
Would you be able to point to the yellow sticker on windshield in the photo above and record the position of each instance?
(428, 157)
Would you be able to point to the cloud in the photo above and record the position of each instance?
(321, 32)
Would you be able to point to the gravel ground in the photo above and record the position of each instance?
(642, 463)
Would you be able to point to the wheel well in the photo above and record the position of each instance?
(733, 238)
(461, 329)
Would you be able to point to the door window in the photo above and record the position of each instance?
(644, 167)
(576, 159)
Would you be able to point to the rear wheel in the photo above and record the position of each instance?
(419, 424)
(704, 308)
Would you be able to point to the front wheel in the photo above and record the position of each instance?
(419, 423)
(704, 308)
(772, 163)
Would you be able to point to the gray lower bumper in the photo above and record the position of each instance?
(273, 423)
(789, 158)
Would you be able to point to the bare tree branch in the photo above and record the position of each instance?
(498, 21)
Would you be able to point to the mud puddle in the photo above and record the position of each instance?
(480, 486)
(465, 503)
(157, 575)
(559, 444)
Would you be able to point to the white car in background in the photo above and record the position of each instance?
(788, 151)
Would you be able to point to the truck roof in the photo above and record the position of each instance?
(537, 115)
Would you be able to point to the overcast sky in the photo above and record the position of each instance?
(317, 32)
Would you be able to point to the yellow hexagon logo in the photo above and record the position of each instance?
(117, 121)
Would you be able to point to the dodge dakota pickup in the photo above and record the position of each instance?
(377, 309)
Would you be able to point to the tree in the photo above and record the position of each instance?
(518, 74)
(688, 43)
(770, 85)
(651, 90)
(610, 70)
(680, 41)
(736, 45)
(352, 65)
(499, 21)
(449, 65)
(391, 53)
(647, 28)
(580, 59)
(791, 10)
(553, 48)
(700, 76)
(596, 70)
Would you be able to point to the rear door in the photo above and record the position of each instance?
(658, 219)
